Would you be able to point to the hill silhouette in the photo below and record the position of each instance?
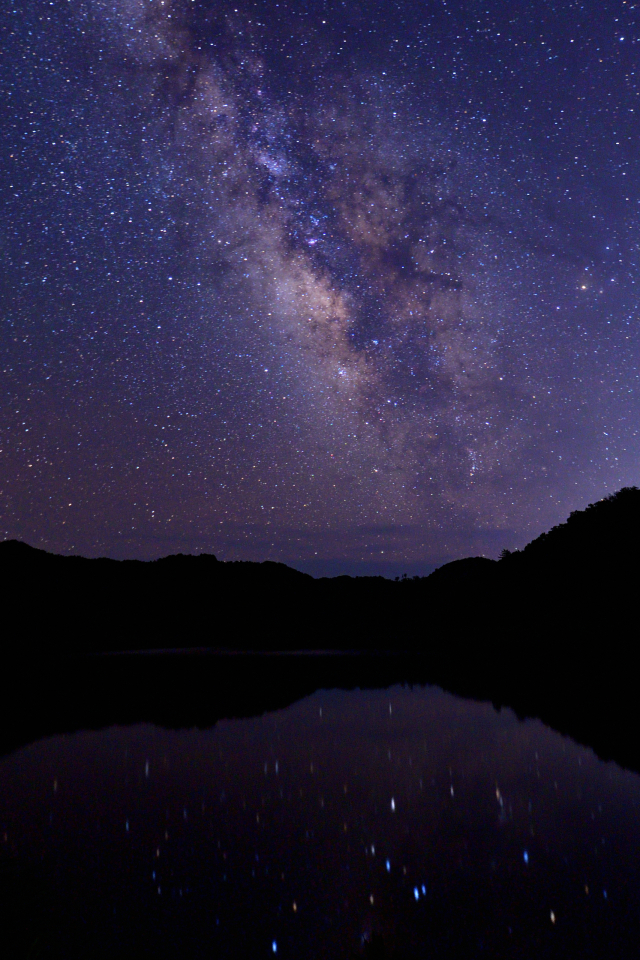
(549, 630)
(605, 533)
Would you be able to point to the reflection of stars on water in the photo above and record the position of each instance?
(221, 780)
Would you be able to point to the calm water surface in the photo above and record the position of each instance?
(397, 823)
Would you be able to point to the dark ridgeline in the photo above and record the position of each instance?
(550, 630)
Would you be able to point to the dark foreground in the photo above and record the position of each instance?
(387, 822)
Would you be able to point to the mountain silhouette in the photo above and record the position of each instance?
(549, 630)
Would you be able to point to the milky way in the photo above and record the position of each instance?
(353, 289)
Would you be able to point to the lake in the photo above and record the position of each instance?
(401, 822)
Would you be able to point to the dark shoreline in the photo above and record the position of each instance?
(189, 689)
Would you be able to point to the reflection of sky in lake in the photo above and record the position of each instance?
(401, 823)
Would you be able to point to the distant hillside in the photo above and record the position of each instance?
(57, 603)
(604, 536)
(575, 571)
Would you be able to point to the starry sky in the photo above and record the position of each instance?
(350, 286)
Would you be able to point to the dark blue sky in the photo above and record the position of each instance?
(351, 286)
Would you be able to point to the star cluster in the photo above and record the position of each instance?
(314, 283)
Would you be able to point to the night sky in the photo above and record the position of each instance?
(347, 285)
